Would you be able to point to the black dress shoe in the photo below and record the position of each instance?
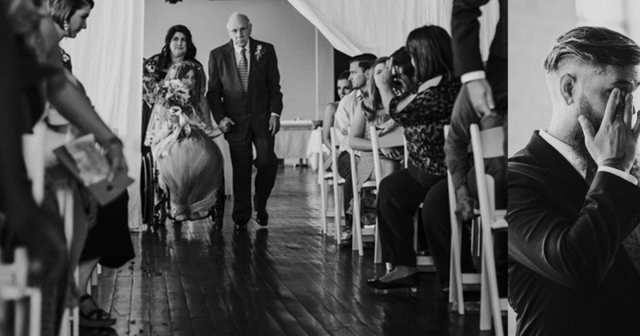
(262, 217)
(409, 281)
(238, 226)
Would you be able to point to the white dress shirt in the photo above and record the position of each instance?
(567, 152)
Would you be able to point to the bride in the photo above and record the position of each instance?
(180, 134)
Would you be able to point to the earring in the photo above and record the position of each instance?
(65, 26)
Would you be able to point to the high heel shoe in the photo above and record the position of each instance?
(409, 281)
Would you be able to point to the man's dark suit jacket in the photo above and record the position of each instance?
(465, 35)
(250, 110)
(568, 271)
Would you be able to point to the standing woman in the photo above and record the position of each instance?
(423, 115)
(108, 241)
(178, 47)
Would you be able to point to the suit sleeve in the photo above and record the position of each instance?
(465, 34)
(579, 253)
(273, 83)
(215, 87)
(456, 145)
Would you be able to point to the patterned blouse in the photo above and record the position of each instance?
(423, 120)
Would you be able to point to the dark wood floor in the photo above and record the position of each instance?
(286, 279)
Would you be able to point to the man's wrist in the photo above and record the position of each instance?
(471, 76)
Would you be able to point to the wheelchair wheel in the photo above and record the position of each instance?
(147, 187)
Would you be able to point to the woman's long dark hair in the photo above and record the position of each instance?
(430, 48)
(182, 69)
(372, 101)
(164, 59)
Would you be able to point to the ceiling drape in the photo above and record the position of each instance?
(381, 26)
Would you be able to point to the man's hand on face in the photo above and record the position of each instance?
(615, 144)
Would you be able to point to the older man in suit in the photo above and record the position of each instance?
(574, 207)
(246, 102)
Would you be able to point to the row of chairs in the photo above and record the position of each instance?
(13, 277)
(486, 144)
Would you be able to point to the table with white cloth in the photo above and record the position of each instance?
(298, 142)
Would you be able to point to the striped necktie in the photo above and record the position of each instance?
(631, 243)
(243, 69)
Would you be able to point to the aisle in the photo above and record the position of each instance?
(286, 279)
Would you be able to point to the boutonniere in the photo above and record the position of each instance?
(259, 52)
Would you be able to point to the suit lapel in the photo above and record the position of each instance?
(254, 63)
(562, 172)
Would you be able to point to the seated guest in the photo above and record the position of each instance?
(574, 202)
(344, 88)
(359, 75)
(423, 116)
(371, 112)
(471, 107)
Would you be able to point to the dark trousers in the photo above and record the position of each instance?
(399, 197)
(437, 227)
(242, 160)
(344, 169)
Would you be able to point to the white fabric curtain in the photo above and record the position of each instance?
(107, 59)
(381, 26)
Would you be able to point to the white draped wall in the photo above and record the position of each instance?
(107, 59)
(381, 26)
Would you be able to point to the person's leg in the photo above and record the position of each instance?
(399, 196)
(344, 170)
(437, 227)
(241, 156)
(267, 164)
(85, 269)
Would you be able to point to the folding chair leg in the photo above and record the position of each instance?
(377, 253)
(35, 311)
(323, 204)
(337, 198)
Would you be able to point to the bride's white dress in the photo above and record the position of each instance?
(189, 163)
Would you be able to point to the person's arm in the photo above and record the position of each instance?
(465, 30)
(357, 140)
(579, 254)
(275, 94)
(456, 149)
(327, 123)
(76, 108)
(576, 254)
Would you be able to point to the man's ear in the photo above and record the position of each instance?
(567, 88)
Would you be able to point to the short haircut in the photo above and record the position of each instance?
(364, 61)
(596, 46)
(430, 48)
(343, 75)
(62, 10)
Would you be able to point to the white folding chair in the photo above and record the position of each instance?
(337, 195)
(13, 287)
(357, 233)
(458, 281)
(325, 179)
(65, 202)
(489, 144)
